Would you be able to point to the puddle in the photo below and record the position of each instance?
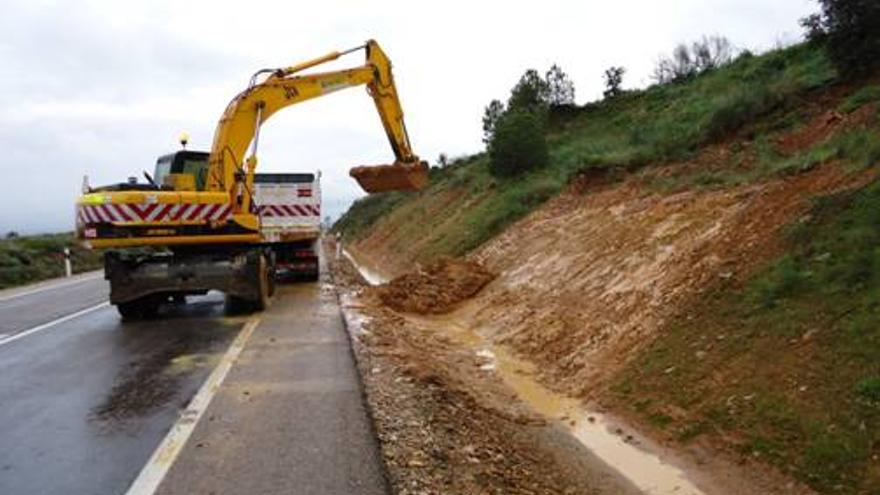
(354, 320)
(629, 455)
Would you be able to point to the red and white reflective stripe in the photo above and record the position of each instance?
(289, 210)
(153, 213)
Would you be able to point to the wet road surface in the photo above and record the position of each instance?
(290, 416)
(26, 308)
(84, 403)
(87, 399)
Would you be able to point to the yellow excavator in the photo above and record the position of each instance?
(194, 225)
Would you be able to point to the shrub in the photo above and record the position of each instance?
(710, 52)
(869, 389)
(518, 144)
(736, 108)
(783, 280)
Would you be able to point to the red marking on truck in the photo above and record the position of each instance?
(153, 212)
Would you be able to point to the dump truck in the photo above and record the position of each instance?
(196, 224)
(290, 212)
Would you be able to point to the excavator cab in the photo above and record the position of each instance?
(182, 170)
(399, 176)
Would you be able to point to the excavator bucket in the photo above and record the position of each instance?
(399, 176)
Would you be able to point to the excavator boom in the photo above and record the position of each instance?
(239, 126)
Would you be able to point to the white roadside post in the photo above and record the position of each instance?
(68, 270)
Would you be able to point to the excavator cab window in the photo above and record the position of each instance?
(192, 163)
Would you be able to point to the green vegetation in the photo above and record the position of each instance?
(662, 124)
(25, 259)
(365, 212)
(848, 30)
(518, 144)
(868, 94)
(787, 360)
(783, 367)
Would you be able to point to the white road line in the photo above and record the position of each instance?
(49, 287)
(44, 326)
(164, 456)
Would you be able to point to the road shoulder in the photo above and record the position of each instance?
(290, 413)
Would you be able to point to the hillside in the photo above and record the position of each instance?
(661, 125)
(699, 258)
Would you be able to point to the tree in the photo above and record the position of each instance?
(491, 115)
(530, 93)
(613, 81)
(711, 52)
(814, 28)
(687, 61)
(518, 145)
(560, 89)
(853, 37)
(442, 160)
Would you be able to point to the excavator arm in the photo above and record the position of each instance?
(232, 171)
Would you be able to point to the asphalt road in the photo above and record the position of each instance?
(290, 417)
(85, 401)
(21, 309)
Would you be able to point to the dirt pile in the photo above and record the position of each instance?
(436, 288)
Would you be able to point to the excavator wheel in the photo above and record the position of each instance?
(139, 309)
(399, 176)
(263, 285)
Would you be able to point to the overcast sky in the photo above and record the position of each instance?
(104, 87)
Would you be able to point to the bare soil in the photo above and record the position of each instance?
(436, 288)
(590, 278)
(444, 424)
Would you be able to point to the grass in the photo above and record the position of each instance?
(27, 259)
(868, 94)
(796, 375)
(653, 126)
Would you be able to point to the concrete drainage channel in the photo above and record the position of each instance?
(636, 459)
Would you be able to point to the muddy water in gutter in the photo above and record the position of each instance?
(372, 275)
(635, 459)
